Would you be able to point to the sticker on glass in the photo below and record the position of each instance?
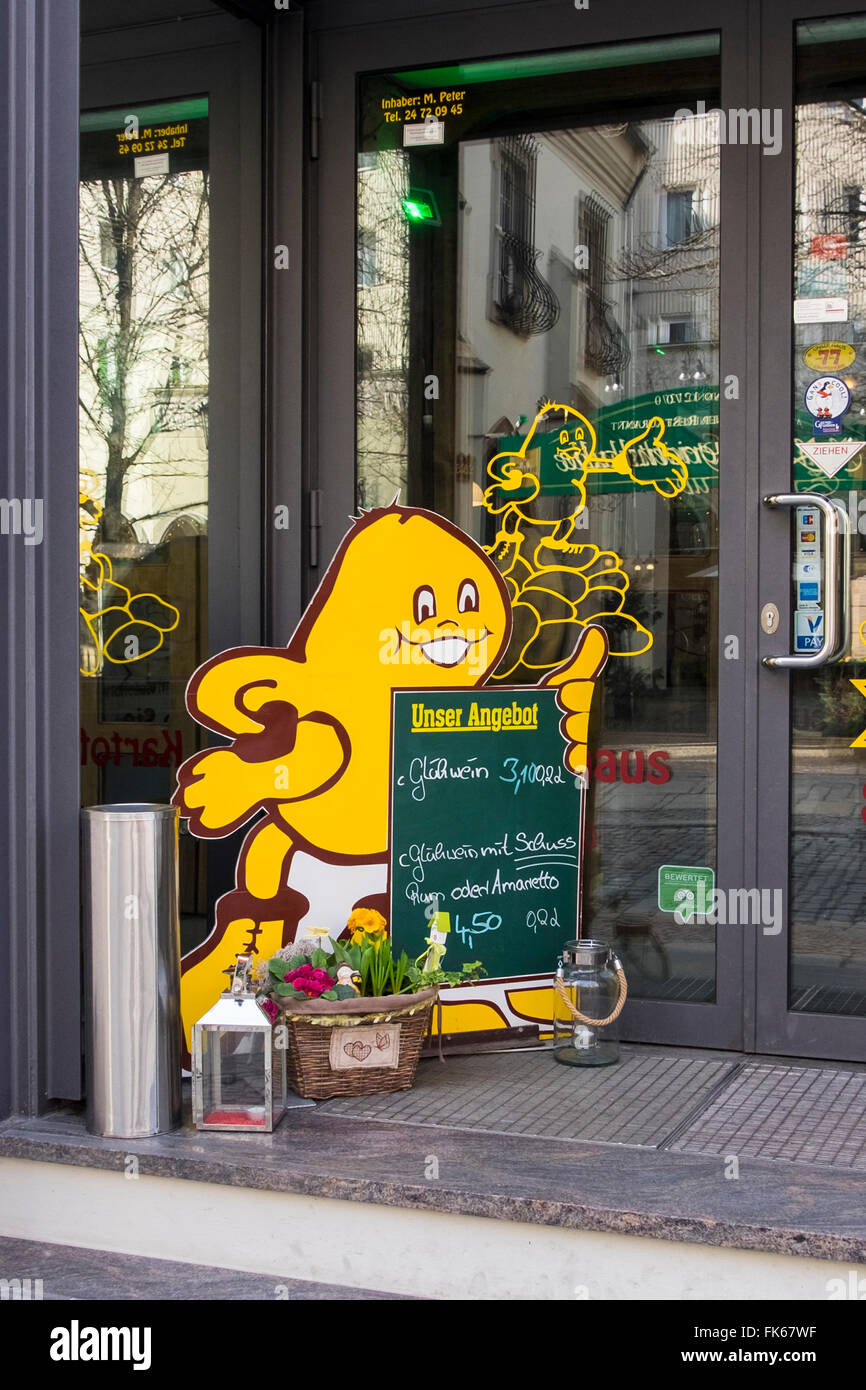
(683, 887)
(822, 309)
(827, 398)
(831, 455)
(829, 246)
(429, 132)
(829, 357)
(808, 630)
(146, 165)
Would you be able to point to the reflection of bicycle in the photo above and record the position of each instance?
(642, 951)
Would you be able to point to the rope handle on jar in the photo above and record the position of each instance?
(618, 1007)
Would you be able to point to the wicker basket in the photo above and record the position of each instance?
(334, 1045)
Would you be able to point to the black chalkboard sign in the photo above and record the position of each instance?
(487, 824)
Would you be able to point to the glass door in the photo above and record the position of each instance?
(542, 297)
(814, 707)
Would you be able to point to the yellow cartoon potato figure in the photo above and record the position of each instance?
(409, 600)
(556, 578)
(126, 627)
(515, 484)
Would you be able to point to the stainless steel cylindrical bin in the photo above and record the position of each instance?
(132, 969)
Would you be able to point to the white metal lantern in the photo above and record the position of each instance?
(238, 1074)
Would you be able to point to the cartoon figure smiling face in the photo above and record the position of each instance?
(414, 602)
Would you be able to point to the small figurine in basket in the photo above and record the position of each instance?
(349, 979)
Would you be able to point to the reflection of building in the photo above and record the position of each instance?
(586, 273)
(830, 216)
(625, 232)
(829, 247)
(144, 334)
(383, 326)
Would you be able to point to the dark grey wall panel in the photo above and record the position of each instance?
(39, 928)
(285, 345)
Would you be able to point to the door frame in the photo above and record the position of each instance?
(40, 1051)
(340, 50)
(779, 1029)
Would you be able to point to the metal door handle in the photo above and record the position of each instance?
(844, 582)
(837, 540)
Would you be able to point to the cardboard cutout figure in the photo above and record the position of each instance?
(408, 600)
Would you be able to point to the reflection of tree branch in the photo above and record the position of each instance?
(383, 308)
(156, 516)
(698, 255)
(149, 316)
(103, 297)
(93, 422)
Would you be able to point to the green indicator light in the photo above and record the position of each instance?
(416, 211)
(661, 351)
(419, 206)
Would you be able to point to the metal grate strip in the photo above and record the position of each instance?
(797, 1114)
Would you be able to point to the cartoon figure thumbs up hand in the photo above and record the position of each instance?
(575, 682)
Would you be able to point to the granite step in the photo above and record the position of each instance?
(72, 1273)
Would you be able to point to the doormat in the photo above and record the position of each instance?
(644, 1100)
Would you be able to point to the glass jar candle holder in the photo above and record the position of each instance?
(588, 997)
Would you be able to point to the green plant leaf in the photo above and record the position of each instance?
(366, 965)
(401, 971)
(329, 994)
(283, 988)
(349, 955)
(319, 959)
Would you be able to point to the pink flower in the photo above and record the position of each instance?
(270, 1008)
(310, 982)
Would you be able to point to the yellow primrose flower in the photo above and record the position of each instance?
(362, 938)
(366, 921)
